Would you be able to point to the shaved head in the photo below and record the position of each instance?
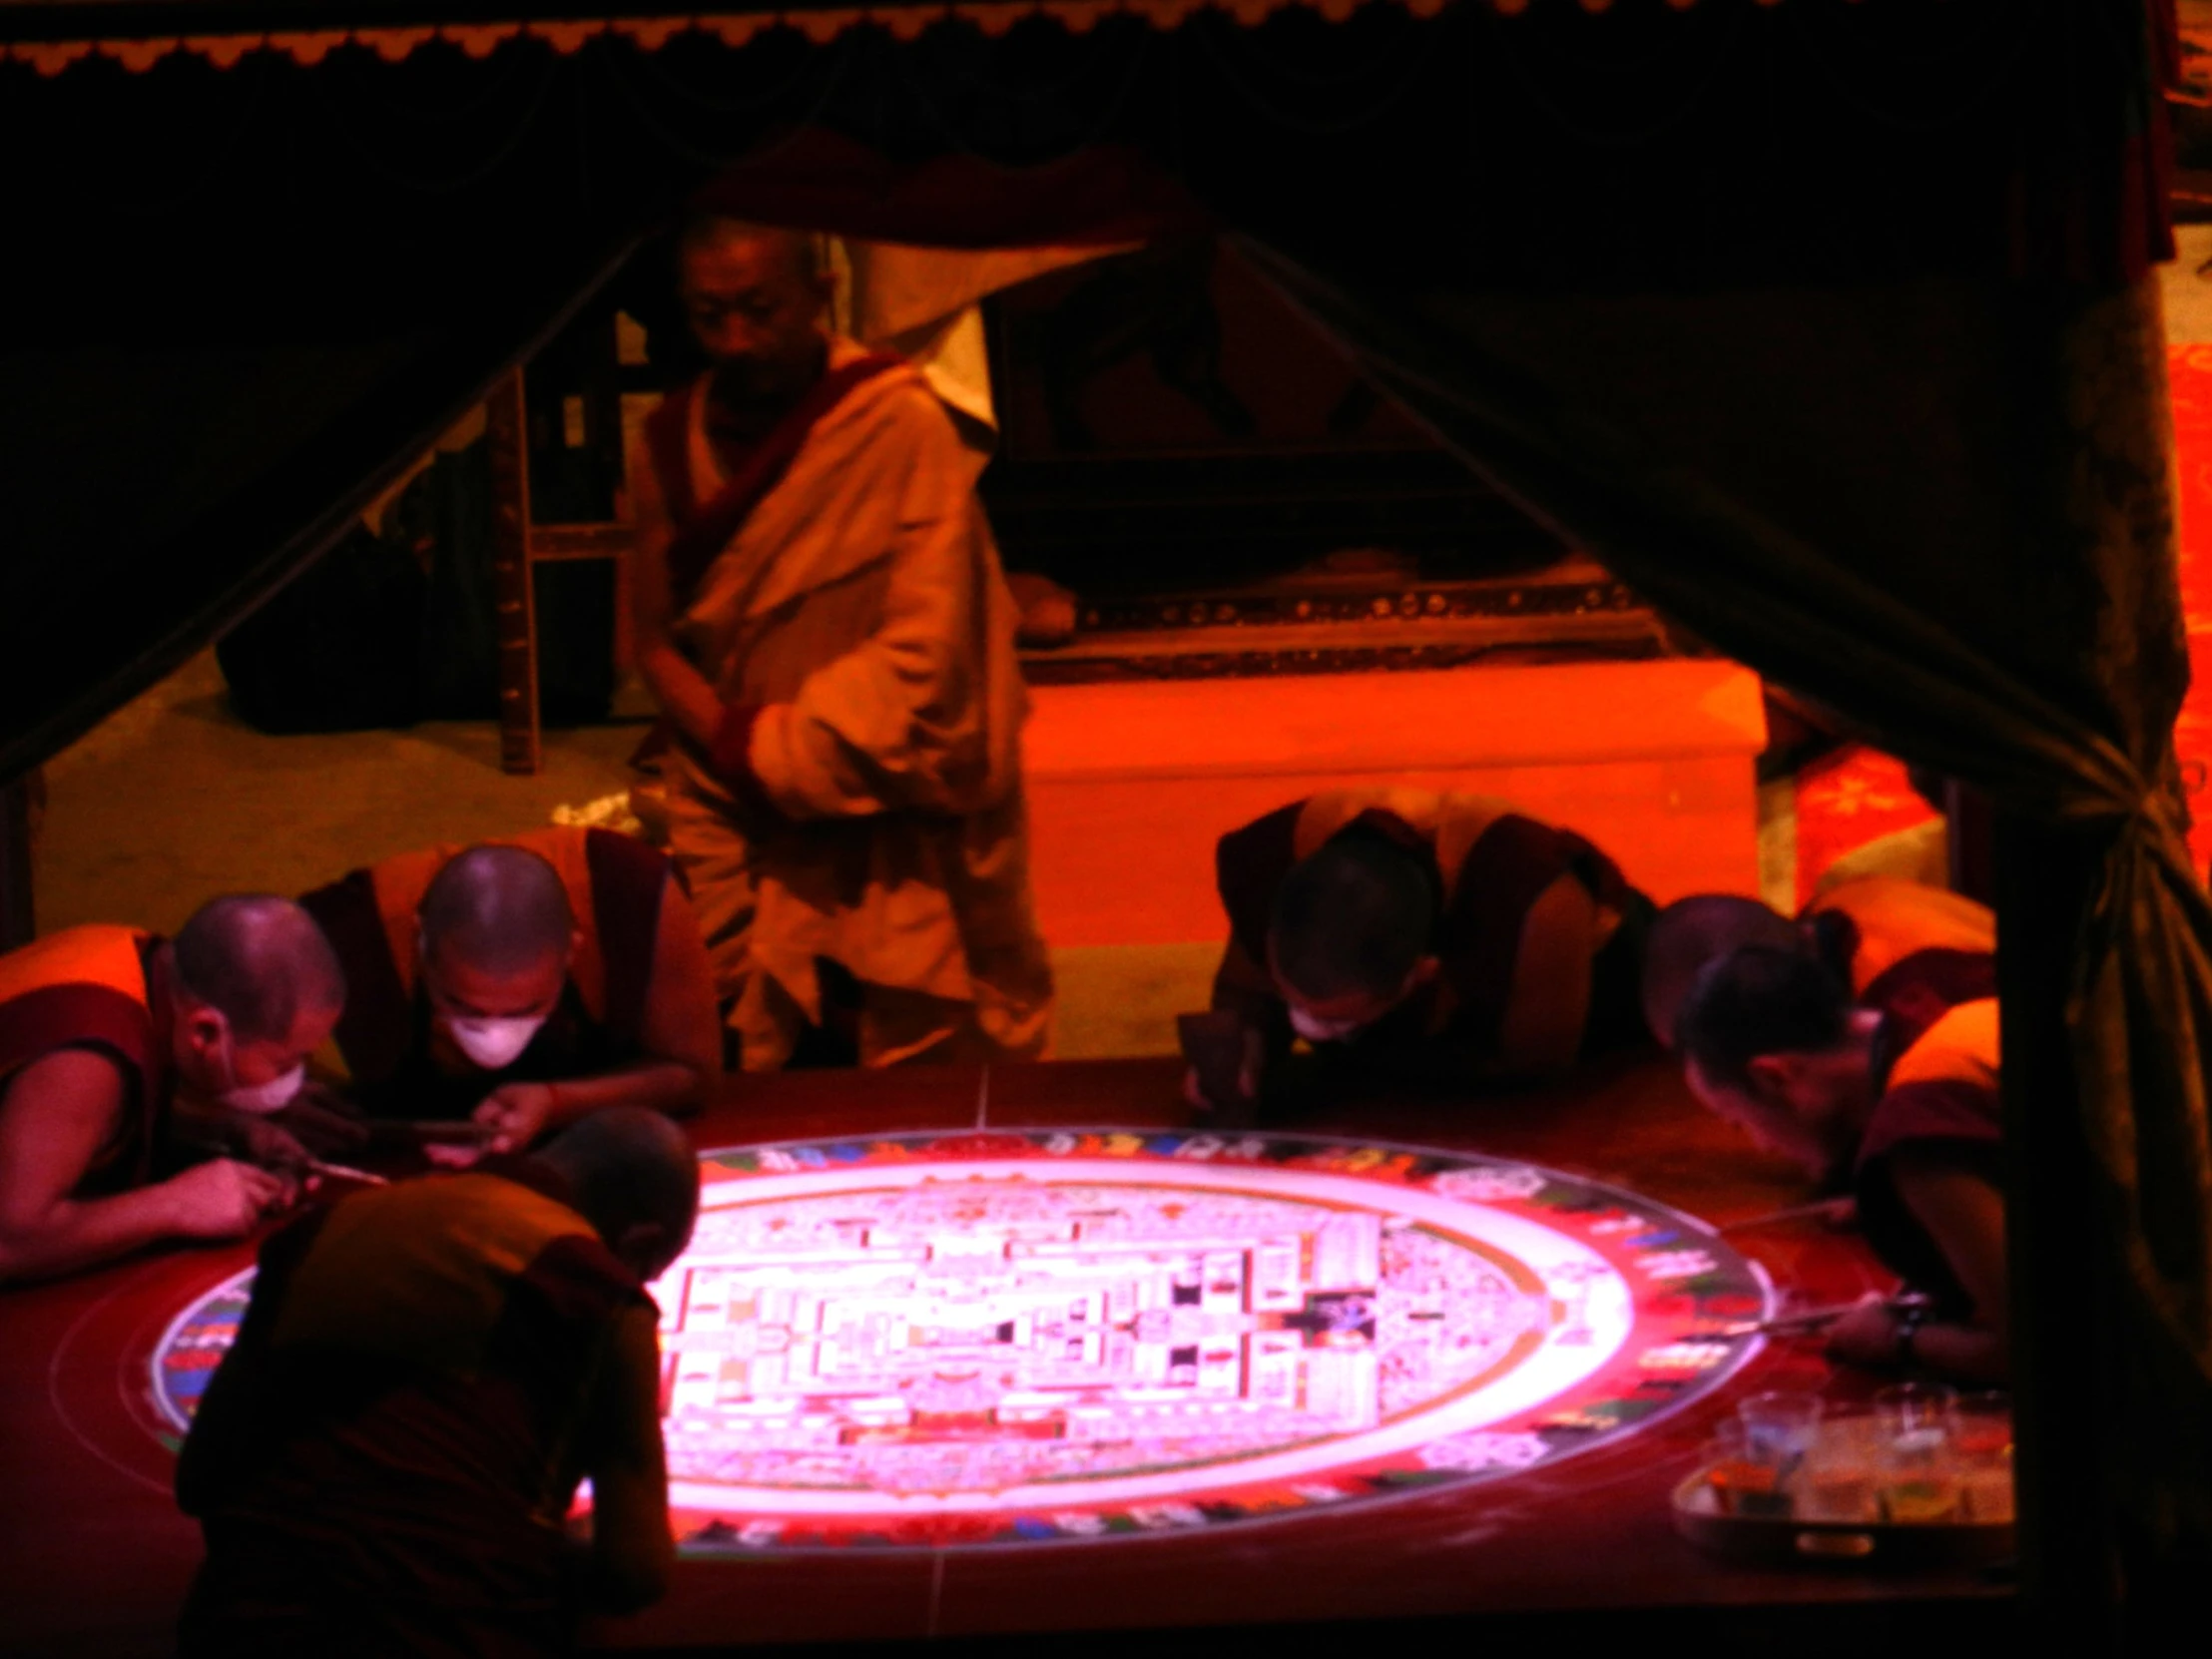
(798, 251)
(497, 910)
(1756, 1001)
(259, 962)
(1352, 919)
(631, 1169)
(1696, 930)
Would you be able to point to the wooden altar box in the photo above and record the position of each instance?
(1131, 783)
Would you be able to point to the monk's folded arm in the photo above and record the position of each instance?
(1549, 1007)
(901, 722)
(680, 1032)
(633, 1549)
(1964, 1212)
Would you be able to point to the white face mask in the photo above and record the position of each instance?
(493, 1043)
(258, 1098)
(1321, 1031)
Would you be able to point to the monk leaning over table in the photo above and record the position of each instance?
(1408, 933)
(120, 1049)
(823, 619)
(521, 984)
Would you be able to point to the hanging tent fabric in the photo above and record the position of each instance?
(1825, 323)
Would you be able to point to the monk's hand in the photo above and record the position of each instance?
(1867, 1336)
(267, 1143)
(1227, 1059)
(515, 1114)
(225, 1198)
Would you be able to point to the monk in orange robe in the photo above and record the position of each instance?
(385, 1460)
(1442, 936)
(107, 1036)
(521, 984)
(823, 619)
(1894, 1094)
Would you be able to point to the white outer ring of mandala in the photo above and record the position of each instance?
(1385, 1196)
(1528, 1385)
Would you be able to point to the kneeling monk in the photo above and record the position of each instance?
(1443, 936)
(522, 983)
(104, 1030)
(383, 1463)
(1896, 1093)
(822, 616)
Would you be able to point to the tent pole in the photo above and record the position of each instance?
(2062, 1321)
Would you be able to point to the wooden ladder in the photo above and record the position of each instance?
(518, 548)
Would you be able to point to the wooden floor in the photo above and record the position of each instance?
(94, 1558)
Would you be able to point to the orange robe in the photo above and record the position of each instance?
(616, 886)
(1491, 1012)
(87, 987)
(385, 1458)
(879, 823)
(1937, 1065)
(1866, 927)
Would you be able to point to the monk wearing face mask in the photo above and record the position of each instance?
(123, 1056)
(521, 985)
(1437, 937)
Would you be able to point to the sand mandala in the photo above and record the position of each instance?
(1021, 1337)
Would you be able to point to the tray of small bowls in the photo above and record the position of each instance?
(1919, 1478)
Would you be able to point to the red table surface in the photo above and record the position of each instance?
(94, 1557)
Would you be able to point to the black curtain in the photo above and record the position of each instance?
(239, 297)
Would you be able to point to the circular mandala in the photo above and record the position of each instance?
(1013, 1337)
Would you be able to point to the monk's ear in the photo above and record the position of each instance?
(1772, 1075)
(1424, 973)
(203, 1028)
(642, 1247)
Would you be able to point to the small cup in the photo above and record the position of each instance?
(1982, 1454)
(1781, 1425)
(1840, 1480)
(1912, 1408)
(1743, 1480)
(1919, 1471)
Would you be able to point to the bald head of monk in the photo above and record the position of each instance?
(754, 296)
(634, 1179)
(1348, 940)
(494, 939)
(1696, 930)
(253, 988)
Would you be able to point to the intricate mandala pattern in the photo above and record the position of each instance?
(1005, 1338)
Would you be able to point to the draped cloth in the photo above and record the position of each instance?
(1942, 507)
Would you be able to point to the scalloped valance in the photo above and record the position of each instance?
(50, 35)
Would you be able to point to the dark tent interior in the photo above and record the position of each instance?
(1825, 324)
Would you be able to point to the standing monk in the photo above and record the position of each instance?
(822, 616)
(102, 1030)
(522, 984)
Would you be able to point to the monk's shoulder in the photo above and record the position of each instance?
(901, 414)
